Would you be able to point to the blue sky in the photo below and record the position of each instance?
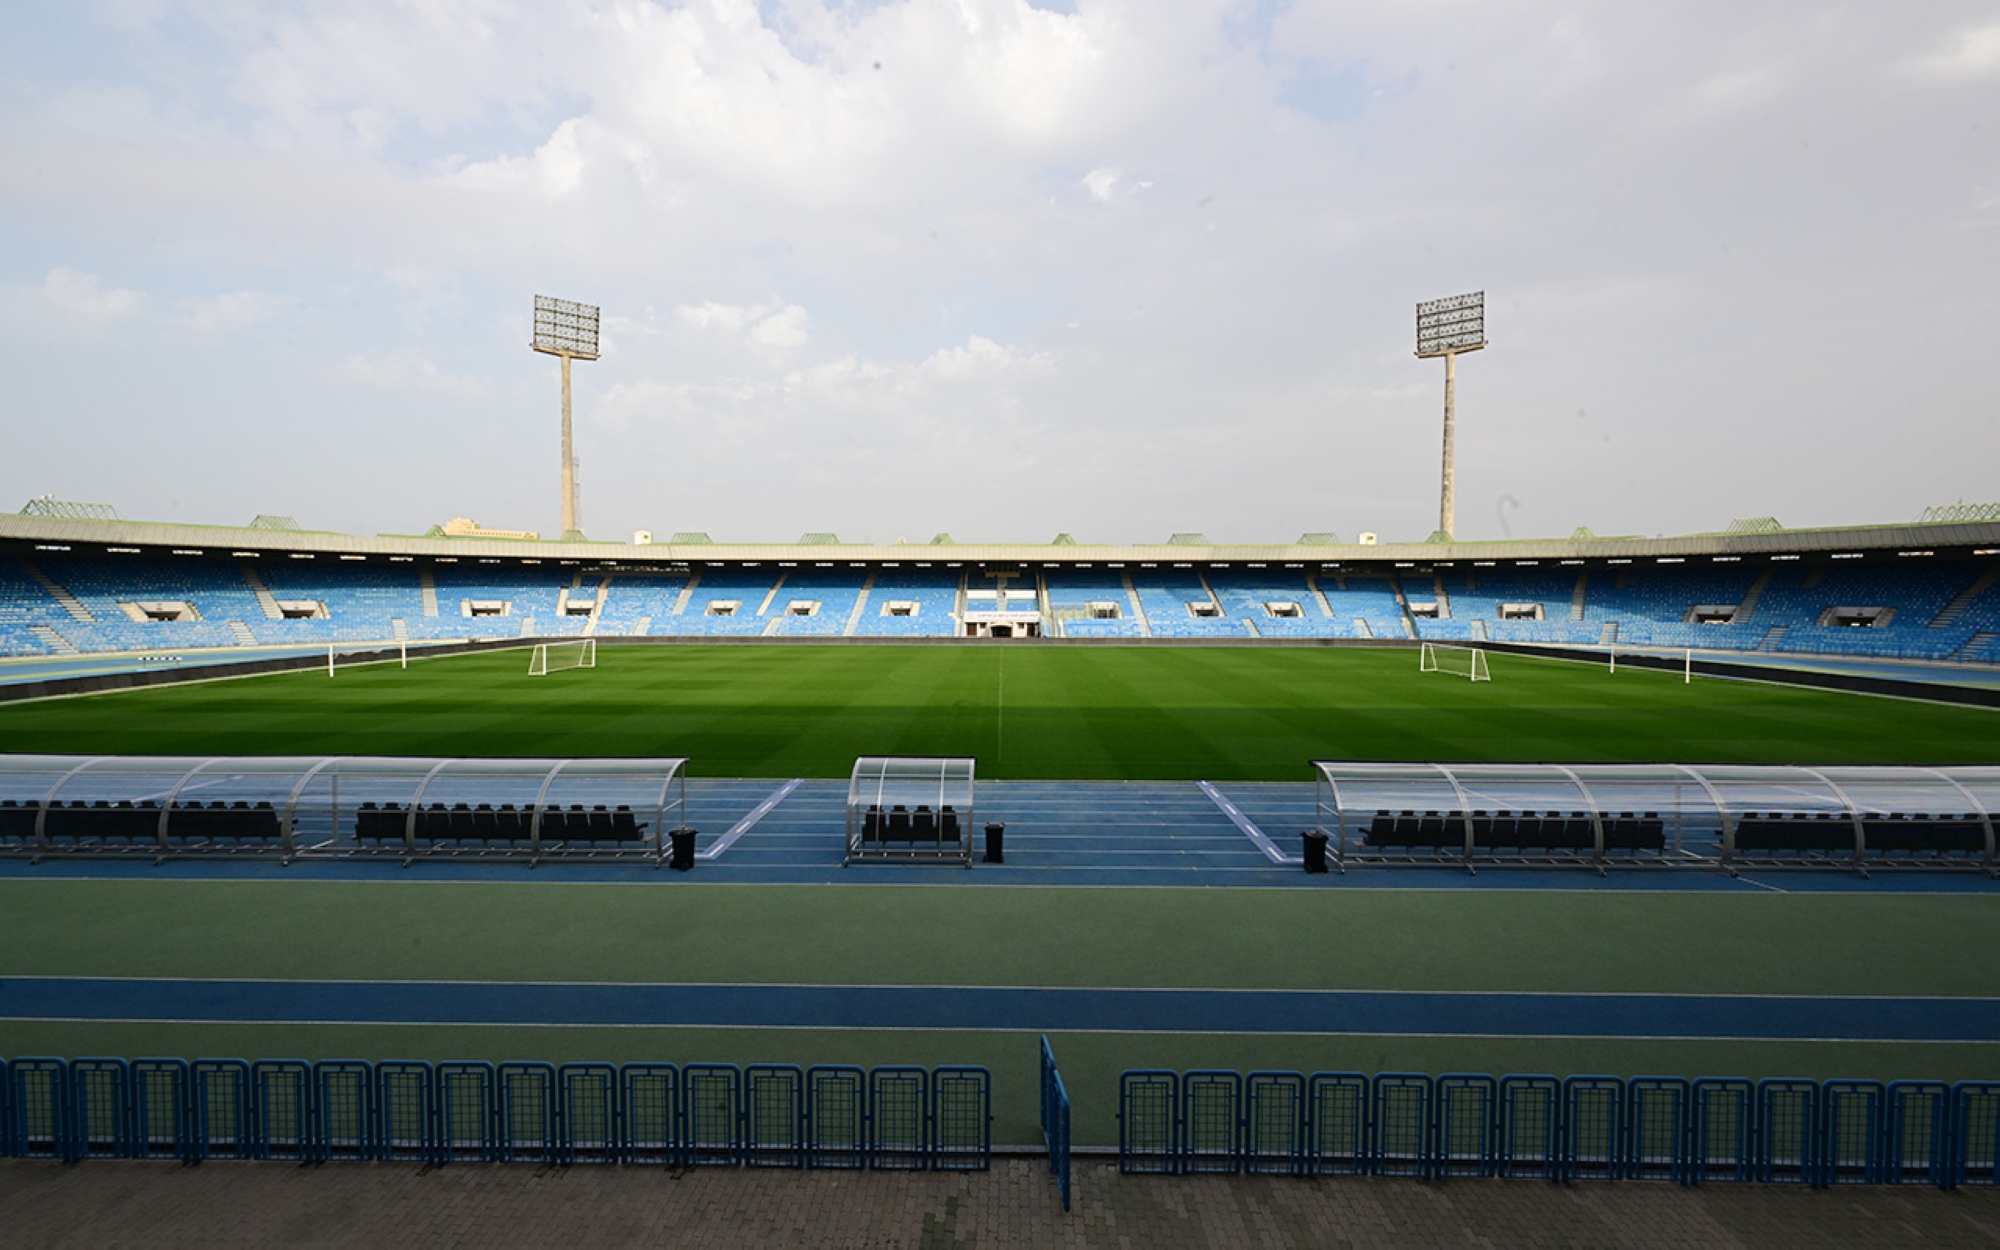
(1001, 269)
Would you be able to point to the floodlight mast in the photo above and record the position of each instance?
(1446, 327)
(569, 330)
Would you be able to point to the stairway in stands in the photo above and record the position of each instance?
(70, 603)
(1741, 616)
(241, 633)
(265, 599)
(53, 640)
(1973, 646)
(1956, 608)
(1772, 637)
(860, 605)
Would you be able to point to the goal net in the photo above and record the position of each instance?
(554, 657)
(1455, 661)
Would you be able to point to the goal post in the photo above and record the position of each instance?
(556, 657)
(1469, 662)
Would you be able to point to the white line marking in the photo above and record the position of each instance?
(1251, 831)
(749, 821)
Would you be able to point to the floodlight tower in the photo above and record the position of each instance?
(1446, 327)
(568, 330)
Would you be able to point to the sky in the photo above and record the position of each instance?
(1001, 268)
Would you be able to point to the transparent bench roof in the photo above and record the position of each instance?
(911, 781)
(345, 780)
(1712, 789)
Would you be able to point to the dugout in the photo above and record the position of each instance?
(1663, 815)
(910, 809)
(406, 808)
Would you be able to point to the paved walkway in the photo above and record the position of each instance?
(104, 1203)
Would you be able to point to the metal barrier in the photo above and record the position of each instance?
(836, 1117)
(586, 1113)
(896, 1101)
(1584, 1127)
(526, 1129)
(100, 1101)
(467, 1106)
(1529, 1141)
(282, 1110)
(961, 1119)
(1463, 1143)
(1656, 1129)
(222, 1128)
(160, 1110)
(1401, 1112)
(1918, 1145)
(1055, 1120)
(1723, 1131)
(1274, 1123)
(1336, 1131)
(766, 1115)
(344, 1123)
(1976, 1133)
(650, 1094)
(774, 1112)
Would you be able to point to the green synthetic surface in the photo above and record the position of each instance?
(1112, 713)
(1683, 942)
(1671, 941)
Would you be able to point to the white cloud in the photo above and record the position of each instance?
(408, 371)
(783, 330)
(232, 310)
(1100, 183)
(1973, 53)
(85, 295)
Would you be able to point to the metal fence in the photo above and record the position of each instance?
(702, 1114)
(1577, 1128)
(1055, 1120)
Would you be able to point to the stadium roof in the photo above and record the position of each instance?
(219, 540)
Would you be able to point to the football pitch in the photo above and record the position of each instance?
(1623, 980)
(1055, 713)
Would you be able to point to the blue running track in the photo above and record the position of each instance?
(1417, 1013)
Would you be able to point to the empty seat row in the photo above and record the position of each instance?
(899, 824)
(103, 820)
(1515, 831)
(464, 822)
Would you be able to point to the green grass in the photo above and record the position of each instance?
(1238, 713)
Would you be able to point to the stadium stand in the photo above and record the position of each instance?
(1869, 605)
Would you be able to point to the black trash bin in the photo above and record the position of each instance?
(683, 850)
(996, 832)
(1315, 850)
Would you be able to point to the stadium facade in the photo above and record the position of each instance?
(1925, 591)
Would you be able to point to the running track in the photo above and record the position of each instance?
(1421, 1013)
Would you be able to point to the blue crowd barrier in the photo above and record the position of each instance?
(1055, 1121)
(161, 1110)
(525, 1131)
(961, 1119)
(766, 1115)
(1582, 1127)
(467, 1113)
(222, 1127)
(1336, 1129)
(1464, 1142)
(587, 1113)
(651, 1096)
(1274, 1121)
(1918, 1145)
(897, 1097)
(1976, 1133)
(774, 1109)
(281, 1098)
(836, 1117)
(343, 1101)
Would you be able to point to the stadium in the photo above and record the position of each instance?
(464, 883)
